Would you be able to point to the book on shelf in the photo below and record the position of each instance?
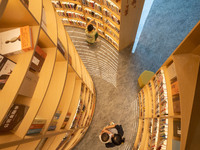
(28, 85)
(54, 122)
(36, 126)
(175, 95)
(34, 131)
(56, 4)
(177, 128)
(66, 120)
(6, 68)
(15, 40)
(13, 118)
(38, 59)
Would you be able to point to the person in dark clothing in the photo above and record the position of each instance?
(112, 135)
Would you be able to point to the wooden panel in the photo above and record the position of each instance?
(55, 142)
(53, 95)
(21, 17)
(74, 103)
(50, 20)
(66, 98)
(35, 7)
(73, 140)
(129, 23)
(187, 67)
(3, 4)
(194, 130)
(10, 148)
(28, 146)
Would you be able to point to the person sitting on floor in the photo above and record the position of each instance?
(91, 32)
(112, 135)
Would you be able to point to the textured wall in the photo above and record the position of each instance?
(168, 23)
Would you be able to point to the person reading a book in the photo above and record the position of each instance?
(91, 32)
(112, 135)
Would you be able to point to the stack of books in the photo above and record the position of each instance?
(36, 127)
(54, 122)
(66, 120)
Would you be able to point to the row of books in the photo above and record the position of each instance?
(150, 130)
(163, 134)
(75, 120)
(56, 4)
(54, 121)
(92, 4)
(112, 6)
(111, 40)
(70, 14)
(74, 22)
(155, 134)
(111, 25)
(111, 16)
(71, 6)
(75, 15)
(174, 88)
(140, 138)
(151, 94)
(140, 104)
(143, 103)
(157, 101)
(113, 34)
(93, 13)
(36, 126)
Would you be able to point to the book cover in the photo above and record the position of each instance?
(28, 85)
(38, 59)
(13, 118)
(174, 87)
(66, 120)
(15, 40)
(33, 131)
(177, 127)
(54, 122)
(36, 126)
(39, 121)
(6, 68)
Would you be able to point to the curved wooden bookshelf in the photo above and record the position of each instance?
(59, 81)
(176, 84)
(115, 14)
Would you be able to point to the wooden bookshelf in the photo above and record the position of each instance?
(110, 12)
(172, 97)
(59, 80)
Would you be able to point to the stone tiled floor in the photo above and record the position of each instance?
(115, 74)
(115, 78)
